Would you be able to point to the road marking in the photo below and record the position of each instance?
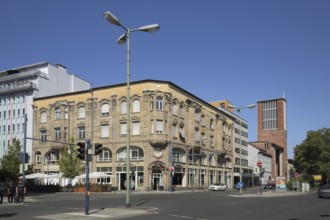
(186, 217)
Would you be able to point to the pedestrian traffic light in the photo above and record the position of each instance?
(97, 148)
(81, 150)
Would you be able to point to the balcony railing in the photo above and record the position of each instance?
(17, 87)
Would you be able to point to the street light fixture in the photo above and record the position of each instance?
(121, 40)
(239, 110)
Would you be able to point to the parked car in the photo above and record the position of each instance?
(217, 187)
(323, 191)
(270, 186)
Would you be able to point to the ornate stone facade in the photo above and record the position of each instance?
(170, 129)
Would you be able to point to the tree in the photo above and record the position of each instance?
(10, 162)
(70, 164)
(312, 156)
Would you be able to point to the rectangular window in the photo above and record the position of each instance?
(174, 130)
(65, 133)
(81, 132)
(269, 115)
(57, 133)
(104, 131)
(43, 135)
(196, 135)
(159, 127)
(136, 128)
(123, 128)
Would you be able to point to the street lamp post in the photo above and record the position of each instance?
(239, 110)
(121, 40)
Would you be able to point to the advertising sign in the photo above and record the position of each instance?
(280, 182)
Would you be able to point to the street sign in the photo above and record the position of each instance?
(259, 164)
(239, 185)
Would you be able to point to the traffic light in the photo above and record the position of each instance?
(81, 150)
(262, 171)
(97, 148)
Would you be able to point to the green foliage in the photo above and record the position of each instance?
(70, 164)
(10, 162)
(312, 156)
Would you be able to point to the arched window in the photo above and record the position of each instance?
(81, 112)
(43, 117)
(57, 113)
(136, 153)
(136, 105)
(159, 103)
(105, 155)
(123, 107)
(105, 109)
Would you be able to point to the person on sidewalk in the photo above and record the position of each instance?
(2, 191)
(20, 191)
(11, 191)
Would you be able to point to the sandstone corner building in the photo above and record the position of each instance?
(170, 127)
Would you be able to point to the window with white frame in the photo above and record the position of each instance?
(105, 155)
(81, 132)
(203, 120)
(43, 117)
(57, 132)
(38, 158)
(136, 153)
(13, 128)
(65, 133)
(196, 115)
(151, 103)
(81, 112)
(159, 126)
(174, 108)
(136, 105)
(123, 128)
(57, 113)
(136, 128)
(196, 135)
(181, 111)
(104, 131)
(211, 141)
(174, 130)
(211, 124)
(66, 113)
(178, 155)
(159, 103)
(105, 109)
(123, 107)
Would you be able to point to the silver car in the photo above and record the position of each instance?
(324, 191)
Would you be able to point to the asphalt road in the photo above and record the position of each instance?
(202, 205)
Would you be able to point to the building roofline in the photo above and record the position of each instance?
(135, 83)
(275, 99)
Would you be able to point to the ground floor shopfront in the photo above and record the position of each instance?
(159, 176)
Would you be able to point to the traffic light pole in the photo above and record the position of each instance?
(87, 147)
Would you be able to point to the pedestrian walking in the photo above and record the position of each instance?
(11, 191)
(20, 191)
(2, 191)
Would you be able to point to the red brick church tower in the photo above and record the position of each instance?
(272, 134)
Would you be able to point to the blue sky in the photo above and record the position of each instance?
(243, 51)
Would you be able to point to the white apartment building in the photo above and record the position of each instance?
(18, 88)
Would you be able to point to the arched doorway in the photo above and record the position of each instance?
(157, 175)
